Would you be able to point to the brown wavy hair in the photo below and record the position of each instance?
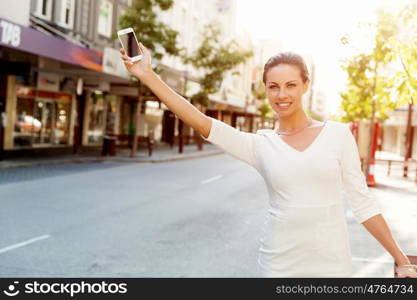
(287, 58)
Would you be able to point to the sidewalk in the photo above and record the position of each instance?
(382, 155)
(397, 198)
(162, 153)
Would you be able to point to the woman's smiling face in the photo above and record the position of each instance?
(285, 88)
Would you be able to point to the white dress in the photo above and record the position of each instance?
(305, 231)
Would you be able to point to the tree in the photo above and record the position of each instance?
(369, 90)
(406, 43)
(265, 109)
(258, 89)
(215, 59)
(259, 93)
(370, 81)
(152, 33)
(366, 88)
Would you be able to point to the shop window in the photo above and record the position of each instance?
(61, 134)
(97, 118)
(41, 120)
(111, 116)
(43, 113)
(153, 117)
(26, 124)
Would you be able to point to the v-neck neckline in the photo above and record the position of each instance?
(309, 146)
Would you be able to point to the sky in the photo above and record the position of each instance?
(314, 28)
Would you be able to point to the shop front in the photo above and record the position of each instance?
(41, 118)
(55, 94)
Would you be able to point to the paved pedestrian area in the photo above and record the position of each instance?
(397, 197)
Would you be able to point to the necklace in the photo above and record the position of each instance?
(296, 131)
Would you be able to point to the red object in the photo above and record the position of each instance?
(371, 173)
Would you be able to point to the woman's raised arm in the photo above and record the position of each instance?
(187, 112)
(241, 145)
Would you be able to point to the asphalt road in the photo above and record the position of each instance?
(191, 218)
(194, 218)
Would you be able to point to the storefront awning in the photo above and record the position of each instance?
(26, 39)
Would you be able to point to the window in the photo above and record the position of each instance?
(42, 121)
(65, 14)
(105, 17)
(26, 124)
(96, 118)
(44, 2)
(112, 112)
(43, 9)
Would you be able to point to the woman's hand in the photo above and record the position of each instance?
(142, 68)
(403, 271)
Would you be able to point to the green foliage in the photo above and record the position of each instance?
(215, 59)
(369, 75)
(259, 91)
(152, 33)
(265, 109)
(406, 46)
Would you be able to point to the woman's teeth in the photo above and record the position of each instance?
(284, 105)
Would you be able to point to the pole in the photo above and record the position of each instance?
(408, 140)
(137, 119)
(409, 131)
(371, 130)
(180, 122)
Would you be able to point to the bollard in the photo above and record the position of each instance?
(389, 167)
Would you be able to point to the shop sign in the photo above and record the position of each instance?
(27, 92)
(32, 41)
(48, 81)
(10, 33)
(113, 64)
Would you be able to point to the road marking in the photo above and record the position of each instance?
(22, 244)
(212, 179)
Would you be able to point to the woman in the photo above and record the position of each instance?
(305, 165)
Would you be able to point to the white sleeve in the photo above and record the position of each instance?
(239, 144)
(362, 203)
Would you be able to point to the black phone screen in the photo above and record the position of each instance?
(130, 44)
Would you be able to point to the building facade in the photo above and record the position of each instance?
(233, 103)
(394, 131)
(60, 75)
(63, 86)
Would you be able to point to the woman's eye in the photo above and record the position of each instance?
(291, 85)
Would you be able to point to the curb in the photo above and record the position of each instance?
(108, 158)
(188, 156)
(52, 162)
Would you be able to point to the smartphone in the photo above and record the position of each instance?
(127, 38)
